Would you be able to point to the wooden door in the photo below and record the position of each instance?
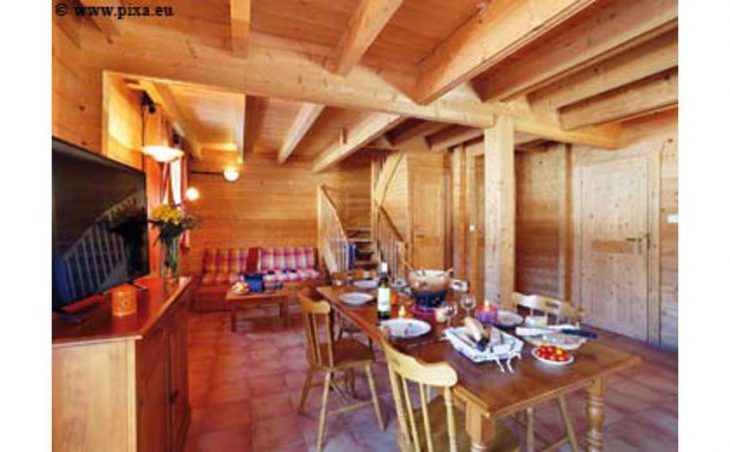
(614, 235)
(428, 210)
(179, 409)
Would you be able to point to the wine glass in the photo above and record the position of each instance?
(449, 312)
(468, 302)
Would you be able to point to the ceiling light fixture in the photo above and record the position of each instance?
(231, 174)
(155, 142)
(192, 194)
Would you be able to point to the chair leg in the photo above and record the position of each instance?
(305, 390)
(568, 424)
(376, 403)
(530, 412)
(323, 412)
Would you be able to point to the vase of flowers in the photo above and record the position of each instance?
(171, 222)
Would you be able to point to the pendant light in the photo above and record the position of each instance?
(155, 139)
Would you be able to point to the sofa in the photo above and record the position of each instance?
(294, 266)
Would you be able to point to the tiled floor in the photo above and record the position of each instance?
(245, 386)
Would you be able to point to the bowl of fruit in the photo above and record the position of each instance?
(554, 356)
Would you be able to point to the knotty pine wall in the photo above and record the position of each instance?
(542, 228)
(270, 204)
(77, 91)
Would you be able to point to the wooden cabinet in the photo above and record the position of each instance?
(126, 390)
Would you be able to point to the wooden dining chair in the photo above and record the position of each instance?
(436, 425)
(324, 354)
(560, 312)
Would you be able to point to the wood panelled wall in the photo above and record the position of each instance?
(77, 91)
(543, 224)
(270, 204)
(541, 189)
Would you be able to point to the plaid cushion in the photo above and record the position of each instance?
(209, 261)
(287, 258)
(237, 260)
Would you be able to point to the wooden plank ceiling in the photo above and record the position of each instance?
(321, 80)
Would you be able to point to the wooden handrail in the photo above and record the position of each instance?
(332, 205)
(391, 224)
(334, 245)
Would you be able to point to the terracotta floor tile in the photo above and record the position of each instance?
(237, 439)
(278, 433)
(245, 388)
(232, 414)
(271, 406)
(232, 391)
(267, 385)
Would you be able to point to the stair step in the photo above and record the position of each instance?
(366, 265)
(359, 228)
(360, 239)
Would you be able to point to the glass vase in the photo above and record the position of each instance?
(172, 255)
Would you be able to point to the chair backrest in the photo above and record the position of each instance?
(561, 310)
(319, 350)
(404, 369)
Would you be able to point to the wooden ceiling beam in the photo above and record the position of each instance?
(364, 26)
(162, 95)
(240, 26)
(274, 72)
(366, 131)
(107, 24)
(422, 129)
(647, 96)
(614, 28)
(453, 136)
(269, 72)
(240, 132)
(651, 58)
(307, 115)
(255, 113)
(501, 29)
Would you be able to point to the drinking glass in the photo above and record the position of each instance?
(450, 312)
(468, 302)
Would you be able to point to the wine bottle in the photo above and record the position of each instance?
(383, 293)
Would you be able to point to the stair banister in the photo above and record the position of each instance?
(334, 246)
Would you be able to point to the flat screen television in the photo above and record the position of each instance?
(100, 235)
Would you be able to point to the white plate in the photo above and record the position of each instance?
(564, 341)
(406, 328)
(552, 363)
(508, 318)
(355, 298)
(365, 284)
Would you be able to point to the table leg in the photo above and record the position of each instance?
(233, 319)
(594, 409)
(480, 429)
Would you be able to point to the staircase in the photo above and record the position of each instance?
(363, 247)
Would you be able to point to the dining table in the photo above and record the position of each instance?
(486, 393)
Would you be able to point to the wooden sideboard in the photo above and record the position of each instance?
(120, 383)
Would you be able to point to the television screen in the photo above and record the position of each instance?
(100, 234)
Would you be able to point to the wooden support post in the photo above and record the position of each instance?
(460, 220)
(499, 224)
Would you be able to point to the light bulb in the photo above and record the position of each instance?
(231, 174)
(192, 194)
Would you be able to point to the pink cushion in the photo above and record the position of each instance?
(299, 275)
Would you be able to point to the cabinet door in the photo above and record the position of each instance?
(153, 392)
(179, 377)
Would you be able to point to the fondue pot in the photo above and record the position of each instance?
(430, 280)
(429, 287)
